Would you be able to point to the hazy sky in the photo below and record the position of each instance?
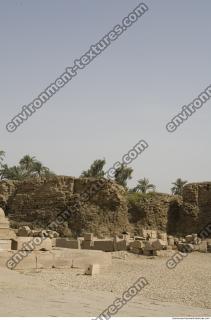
(126, 94)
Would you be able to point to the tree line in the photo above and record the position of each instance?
(30, 167)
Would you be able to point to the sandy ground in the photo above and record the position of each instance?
(183, 291)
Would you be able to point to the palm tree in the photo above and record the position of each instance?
(12, 173)
(178, 186)
(39, 170)
(144, 185)
(122, 174)
(27, 163)
(95, 170)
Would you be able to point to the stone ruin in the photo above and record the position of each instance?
(36, 249)
(88, 252)
(6, 234)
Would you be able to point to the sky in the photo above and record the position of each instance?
(128, 93)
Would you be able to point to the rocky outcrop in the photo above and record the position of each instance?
(38, 202)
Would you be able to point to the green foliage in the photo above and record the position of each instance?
(143, 186)
(95, 170)
(123, 174)
(28, 167)
(178, 186)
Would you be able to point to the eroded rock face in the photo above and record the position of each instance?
(153, 211)
(38, 202)
(195, 212)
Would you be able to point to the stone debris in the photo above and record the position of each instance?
(24, 231)
(93, 269)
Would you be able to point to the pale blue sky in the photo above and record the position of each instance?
(127, 94)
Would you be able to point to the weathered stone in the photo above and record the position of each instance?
(93, 269)
(136, 247)
(24, 231)
(158, 244)
(186, 247)
(32, 244)
(189, 238)
(88, 237)
(81, 259)
(203, 246)
(67, 243)
(43, 202)
(5, 245)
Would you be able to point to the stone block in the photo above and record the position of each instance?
(22, 260)
(67, 258)
(162, 236)
(203, 246)
(189, 238)
(53, 241)
(185, 247)
(170, 241)
(148, 245)
(5, 245)
(32, 244)
(4, 224)
(67, 243)
(7, 234)
(148, 252)
(92, 269)
(121, 245)
(136, 247)
(88, 237)
(158, 244)
(87, 244)
(44, 260)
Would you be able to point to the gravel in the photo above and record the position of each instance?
(188, 284)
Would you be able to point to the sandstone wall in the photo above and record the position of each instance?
(195, 213)
(38, 202)
(153, 211)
